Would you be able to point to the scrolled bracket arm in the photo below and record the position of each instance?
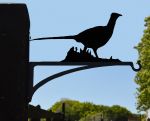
(83, 66)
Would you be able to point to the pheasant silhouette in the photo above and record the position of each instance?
(93, 37)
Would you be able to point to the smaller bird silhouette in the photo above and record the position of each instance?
(93, 37)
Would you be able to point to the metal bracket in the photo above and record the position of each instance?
(83, 66)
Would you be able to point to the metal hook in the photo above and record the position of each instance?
(136, 69)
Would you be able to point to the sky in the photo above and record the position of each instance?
(105, 85)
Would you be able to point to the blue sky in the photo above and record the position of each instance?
(108, 85)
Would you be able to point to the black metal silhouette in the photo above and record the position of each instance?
(84, 59)
(94, 37)
(84, 66)
(85, 56)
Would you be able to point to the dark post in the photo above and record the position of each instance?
(63, 110)
(14, 61)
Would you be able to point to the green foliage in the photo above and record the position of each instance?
(143, 77)
(92, 117)
(77, 111)
(119, 113)
(115, 113)
(72, 109)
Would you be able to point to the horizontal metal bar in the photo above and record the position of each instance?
(46, 63)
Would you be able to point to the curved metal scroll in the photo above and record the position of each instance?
(134, 69)
(85, 65)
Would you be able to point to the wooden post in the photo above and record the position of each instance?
(14, 61)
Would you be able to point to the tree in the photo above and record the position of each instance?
(72, 109)
(114, 113)
(120, 113)
(86, 111)
(143, 76)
